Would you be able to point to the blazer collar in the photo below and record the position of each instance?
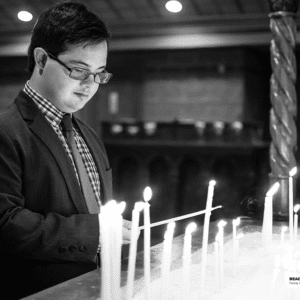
(43, 130)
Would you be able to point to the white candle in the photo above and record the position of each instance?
(133, 247)
(147, 241)
(268, 215)
(292, 173)
(283, 230)
(296, 208)
(221, 225)
(105, 257)
(235, 223)
(187, 247)
(116, 247)
(167, 259)
(217, 259)
(209, 200)
(111, 243)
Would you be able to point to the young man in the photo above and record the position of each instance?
(50, 190)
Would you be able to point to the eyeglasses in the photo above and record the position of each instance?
(81, 74)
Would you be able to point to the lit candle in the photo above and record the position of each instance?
(147, 240)
(221, 225)
(292, 173)
(167, 258)
(235, 223)
(268, 215)
(133, 247)
(296, 208)
(116, 247)
(105, 254)
(209, 200)
(111, 221)
(217, 259)
(283, 230)
(187, 247)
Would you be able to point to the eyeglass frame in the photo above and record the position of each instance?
(108, 75)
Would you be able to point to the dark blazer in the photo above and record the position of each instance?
(46, 233)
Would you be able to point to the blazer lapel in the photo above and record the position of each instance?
(41, 127)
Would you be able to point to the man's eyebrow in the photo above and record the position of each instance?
(75, 61)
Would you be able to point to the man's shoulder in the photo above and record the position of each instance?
(11, 118)
(10, 114)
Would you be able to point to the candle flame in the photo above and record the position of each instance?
(222, 223)
(293, 172)
(273, 189)
(239, 236)
(139, 206)
(237, 221)
(191, 227)
(284, 229)
(147, 193)
(212, 182)
(296, 208)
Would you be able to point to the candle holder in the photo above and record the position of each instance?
(215, 131)
(150, 128)
(234, 131)
(116, 129)
(218, 127)
(200, 127)
(112, 130)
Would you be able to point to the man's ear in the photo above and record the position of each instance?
(40, 57)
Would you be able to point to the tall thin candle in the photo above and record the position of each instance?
(209, 201)
(167, 258)
(221, 225)
(268, 215)
(235, 223)
(116, 221)
(105, 257)
(292, 173)
(147, 241)
(187, 247)
(133, 247)
(296, 208)
(217, 260)
(283, 231)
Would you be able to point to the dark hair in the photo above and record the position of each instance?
(67, 23)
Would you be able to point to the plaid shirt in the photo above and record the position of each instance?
(54, 116)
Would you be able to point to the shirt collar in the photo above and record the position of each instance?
(51, 112)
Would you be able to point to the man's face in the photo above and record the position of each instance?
(67, 94)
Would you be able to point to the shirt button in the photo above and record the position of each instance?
(82, 248)
(62, 249)
(73, 248)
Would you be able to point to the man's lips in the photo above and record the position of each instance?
(82, 94)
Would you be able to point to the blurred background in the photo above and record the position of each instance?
(188, 102)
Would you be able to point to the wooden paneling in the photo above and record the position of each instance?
(193, 96)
